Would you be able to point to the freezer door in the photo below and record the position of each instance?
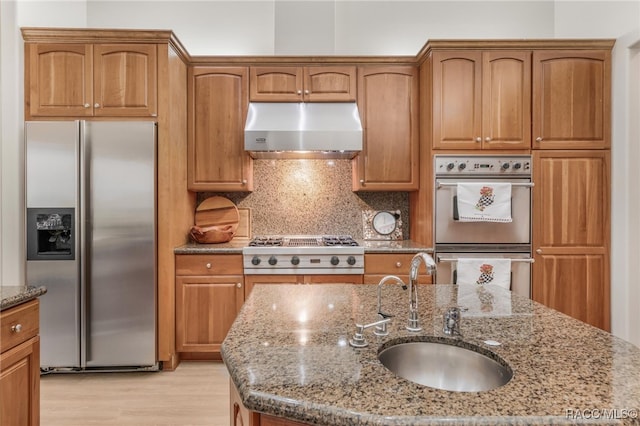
(119, 217)
(51, 158)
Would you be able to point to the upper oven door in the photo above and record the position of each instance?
(450, 231)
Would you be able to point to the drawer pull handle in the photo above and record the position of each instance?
(208, 265)
(398, 264)
(16, 328)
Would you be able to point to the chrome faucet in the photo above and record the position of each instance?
(381, 329)
(358, 340)
(451, 322)
(413, 324)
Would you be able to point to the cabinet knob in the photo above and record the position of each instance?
(478, 139)
(487, 139)
(362, 181)
(306, 92)
(539, 139)
(244, 181)
(96, 105)
(299, 92)
(239, 285)
(539, 251)
(87, 105)
(16, 328)
(208, 265)
(398, 264)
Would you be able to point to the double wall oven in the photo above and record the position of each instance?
(455, 239)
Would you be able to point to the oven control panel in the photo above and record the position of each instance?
(512, 165)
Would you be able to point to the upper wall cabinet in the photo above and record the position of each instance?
(481, 100)
(303, 84)
(388, 105)
(218, 98)
(85, 80)
(572, 99)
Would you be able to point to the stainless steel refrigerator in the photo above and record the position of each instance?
(91, 240)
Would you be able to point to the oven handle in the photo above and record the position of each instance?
(525, 184)
(447, 259)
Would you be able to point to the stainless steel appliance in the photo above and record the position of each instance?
(457, 239)
(90, 195)
(303, 254)
(303, 130)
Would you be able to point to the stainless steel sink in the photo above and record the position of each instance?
(445, 366)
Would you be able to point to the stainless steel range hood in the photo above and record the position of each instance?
(303, 130)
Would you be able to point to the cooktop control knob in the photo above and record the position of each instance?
(334, 260)
(351, 260)
(295, 260)
(255, 260)
(517, 166)
(462, 166)
(505, 166)
(273, 260)
(450, 166)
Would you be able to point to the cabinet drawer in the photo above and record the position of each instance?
(208, 264)
(387, 263)
(18, 324)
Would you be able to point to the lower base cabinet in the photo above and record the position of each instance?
(20, 366)
(241, 416)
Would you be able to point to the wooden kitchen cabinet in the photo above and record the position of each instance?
(303, 84)
(86, 80)
(571, 233)
(217, 111)
(388, 105)
(379, 265)
(20, 365)
(481, 99)
(572, 99)
(252, 280)
(209, 295)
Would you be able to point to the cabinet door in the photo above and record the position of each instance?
(506, 100)
(457, 100)
(20, 384)
(571, 233)
(60, 80)
(125, 80)
(217, 111)
(330, 84)
(333, 279)
(239, 415)
(571, 99)
(205, 309)
(252, 280)
(388, 104)
(276, 84)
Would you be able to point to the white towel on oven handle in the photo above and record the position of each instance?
(484, 202)
(495, 271)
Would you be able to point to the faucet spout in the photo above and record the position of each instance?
(430, 264)
(381, 329)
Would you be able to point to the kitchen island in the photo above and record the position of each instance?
(289, 357)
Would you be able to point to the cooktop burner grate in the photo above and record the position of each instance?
(303, 242)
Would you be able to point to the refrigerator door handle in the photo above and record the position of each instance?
(83, 219)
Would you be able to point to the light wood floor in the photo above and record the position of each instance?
(196, 393)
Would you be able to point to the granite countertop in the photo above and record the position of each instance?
(288, 355)
(236, 246)
(12, 295)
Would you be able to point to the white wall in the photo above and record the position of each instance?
(324, 27)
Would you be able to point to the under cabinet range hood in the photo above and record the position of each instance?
(303, 130)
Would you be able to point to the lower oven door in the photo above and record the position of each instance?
(520, 268)
(449, 230)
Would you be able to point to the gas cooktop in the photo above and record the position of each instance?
(303, 254)
(302, 241)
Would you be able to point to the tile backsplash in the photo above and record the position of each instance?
(311, 197)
